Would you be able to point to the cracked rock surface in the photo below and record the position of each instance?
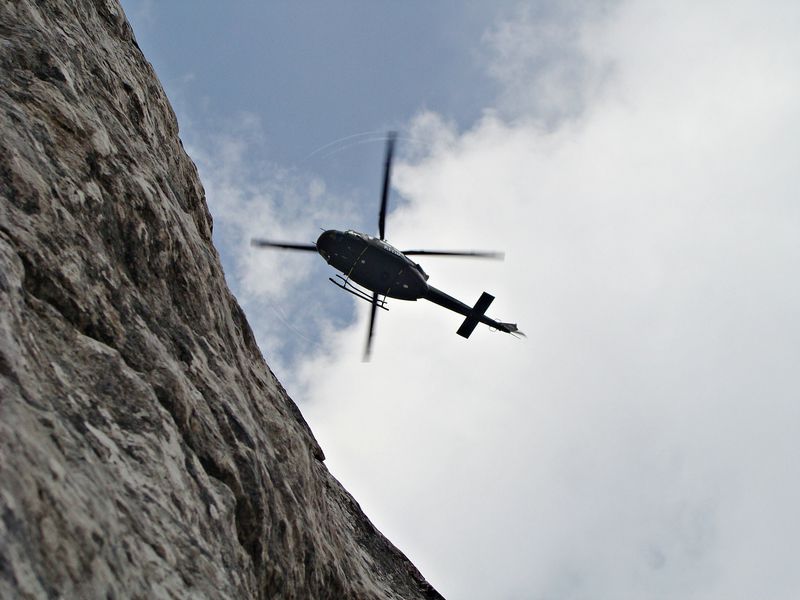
(146, 450)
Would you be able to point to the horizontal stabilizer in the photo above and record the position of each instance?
(474, 316)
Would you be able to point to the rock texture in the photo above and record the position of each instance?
(146, 450)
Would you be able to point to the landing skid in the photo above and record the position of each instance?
(349, 286)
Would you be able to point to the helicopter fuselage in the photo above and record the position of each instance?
(373, 264)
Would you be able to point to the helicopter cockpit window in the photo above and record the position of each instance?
(421, 271)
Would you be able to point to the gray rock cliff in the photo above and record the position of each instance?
(146, 450)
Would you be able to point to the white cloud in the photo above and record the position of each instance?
(540, 60)
(251, 198)
(641, 442)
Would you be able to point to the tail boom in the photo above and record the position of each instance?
(473, 314)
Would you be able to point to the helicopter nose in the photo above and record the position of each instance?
(325, 243)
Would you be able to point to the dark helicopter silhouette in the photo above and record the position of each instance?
(382, 269)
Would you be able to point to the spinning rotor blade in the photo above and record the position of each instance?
(387, 174)
(373, 311)
(286, 245)
(494, 255)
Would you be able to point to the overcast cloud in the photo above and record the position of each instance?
(642, 442)
(639, 166)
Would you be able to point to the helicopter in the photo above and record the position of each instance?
(373, 270)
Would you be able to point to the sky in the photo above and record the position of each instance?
(637, 162)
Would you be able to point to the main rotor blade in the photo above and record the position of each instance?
(373, 311)
(286, 245)
(387, 175)
(494, 255)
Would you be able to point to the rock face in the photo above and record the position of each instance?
(146, 450)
